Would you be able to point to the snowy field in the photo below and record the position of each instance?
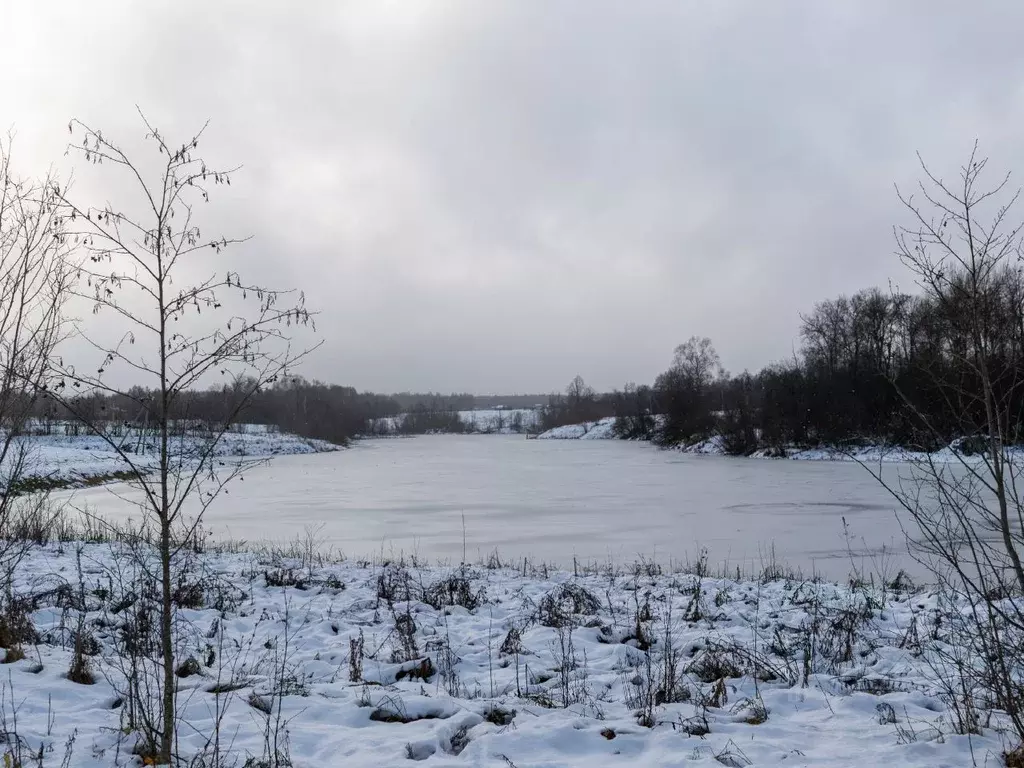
(597, 501)
(623, 656)
(374, 665)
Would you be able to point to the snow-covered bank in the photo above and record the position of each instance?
(591, 430)
(76, 459)
(383, 664)
(716, 446)
(865, 454)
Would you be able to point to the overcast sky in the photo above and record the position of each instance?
(494, 196)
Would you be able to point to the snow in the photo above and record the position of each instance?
(533, 501)
(591, 430)
(874, 454)
(715, 446)
(76, 458)
(499, 420)
(494, 421)
(574, 704)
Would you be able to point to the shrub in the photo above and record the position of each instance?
(284, 577)
(512, 644)
(15, 625)
(393, 584)
(188, 594)
(559, 607)
(80, 670)
(454, 590)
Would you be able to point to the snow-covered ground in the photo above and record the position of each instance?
(75, 459)
(874, 454)
(865, 454)
(531, 670)
(591, 430)
(712, 446)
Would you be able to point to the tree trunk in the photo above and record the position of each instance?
(166, 639)
(166, 607)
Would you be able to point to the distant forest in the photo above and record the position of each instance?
(875, 366)
(293, 404)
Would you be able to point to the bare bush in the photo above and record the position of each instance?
(562, 605)
(35, 283)
(454, 589)
(964, 521)
(393, 584)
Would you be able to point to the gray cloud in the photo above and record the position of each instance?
(496, 196)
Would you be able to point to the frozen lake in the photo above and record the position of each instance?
(553, 500)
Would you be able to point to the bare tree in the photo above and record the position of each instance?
(966, 519)
(698, 362)
(35, 281)
(682, 392)
(579, 392)
(173, 337)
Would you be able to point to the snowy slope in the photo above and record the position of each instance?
(556, 696)
(591, 430)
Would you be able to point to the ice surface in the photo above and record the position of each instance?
(555, 500)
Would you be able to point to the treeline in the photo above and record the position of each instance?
(579, 404)
(874, 367)
(292, 404)
(877, 367)
(465, 401)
